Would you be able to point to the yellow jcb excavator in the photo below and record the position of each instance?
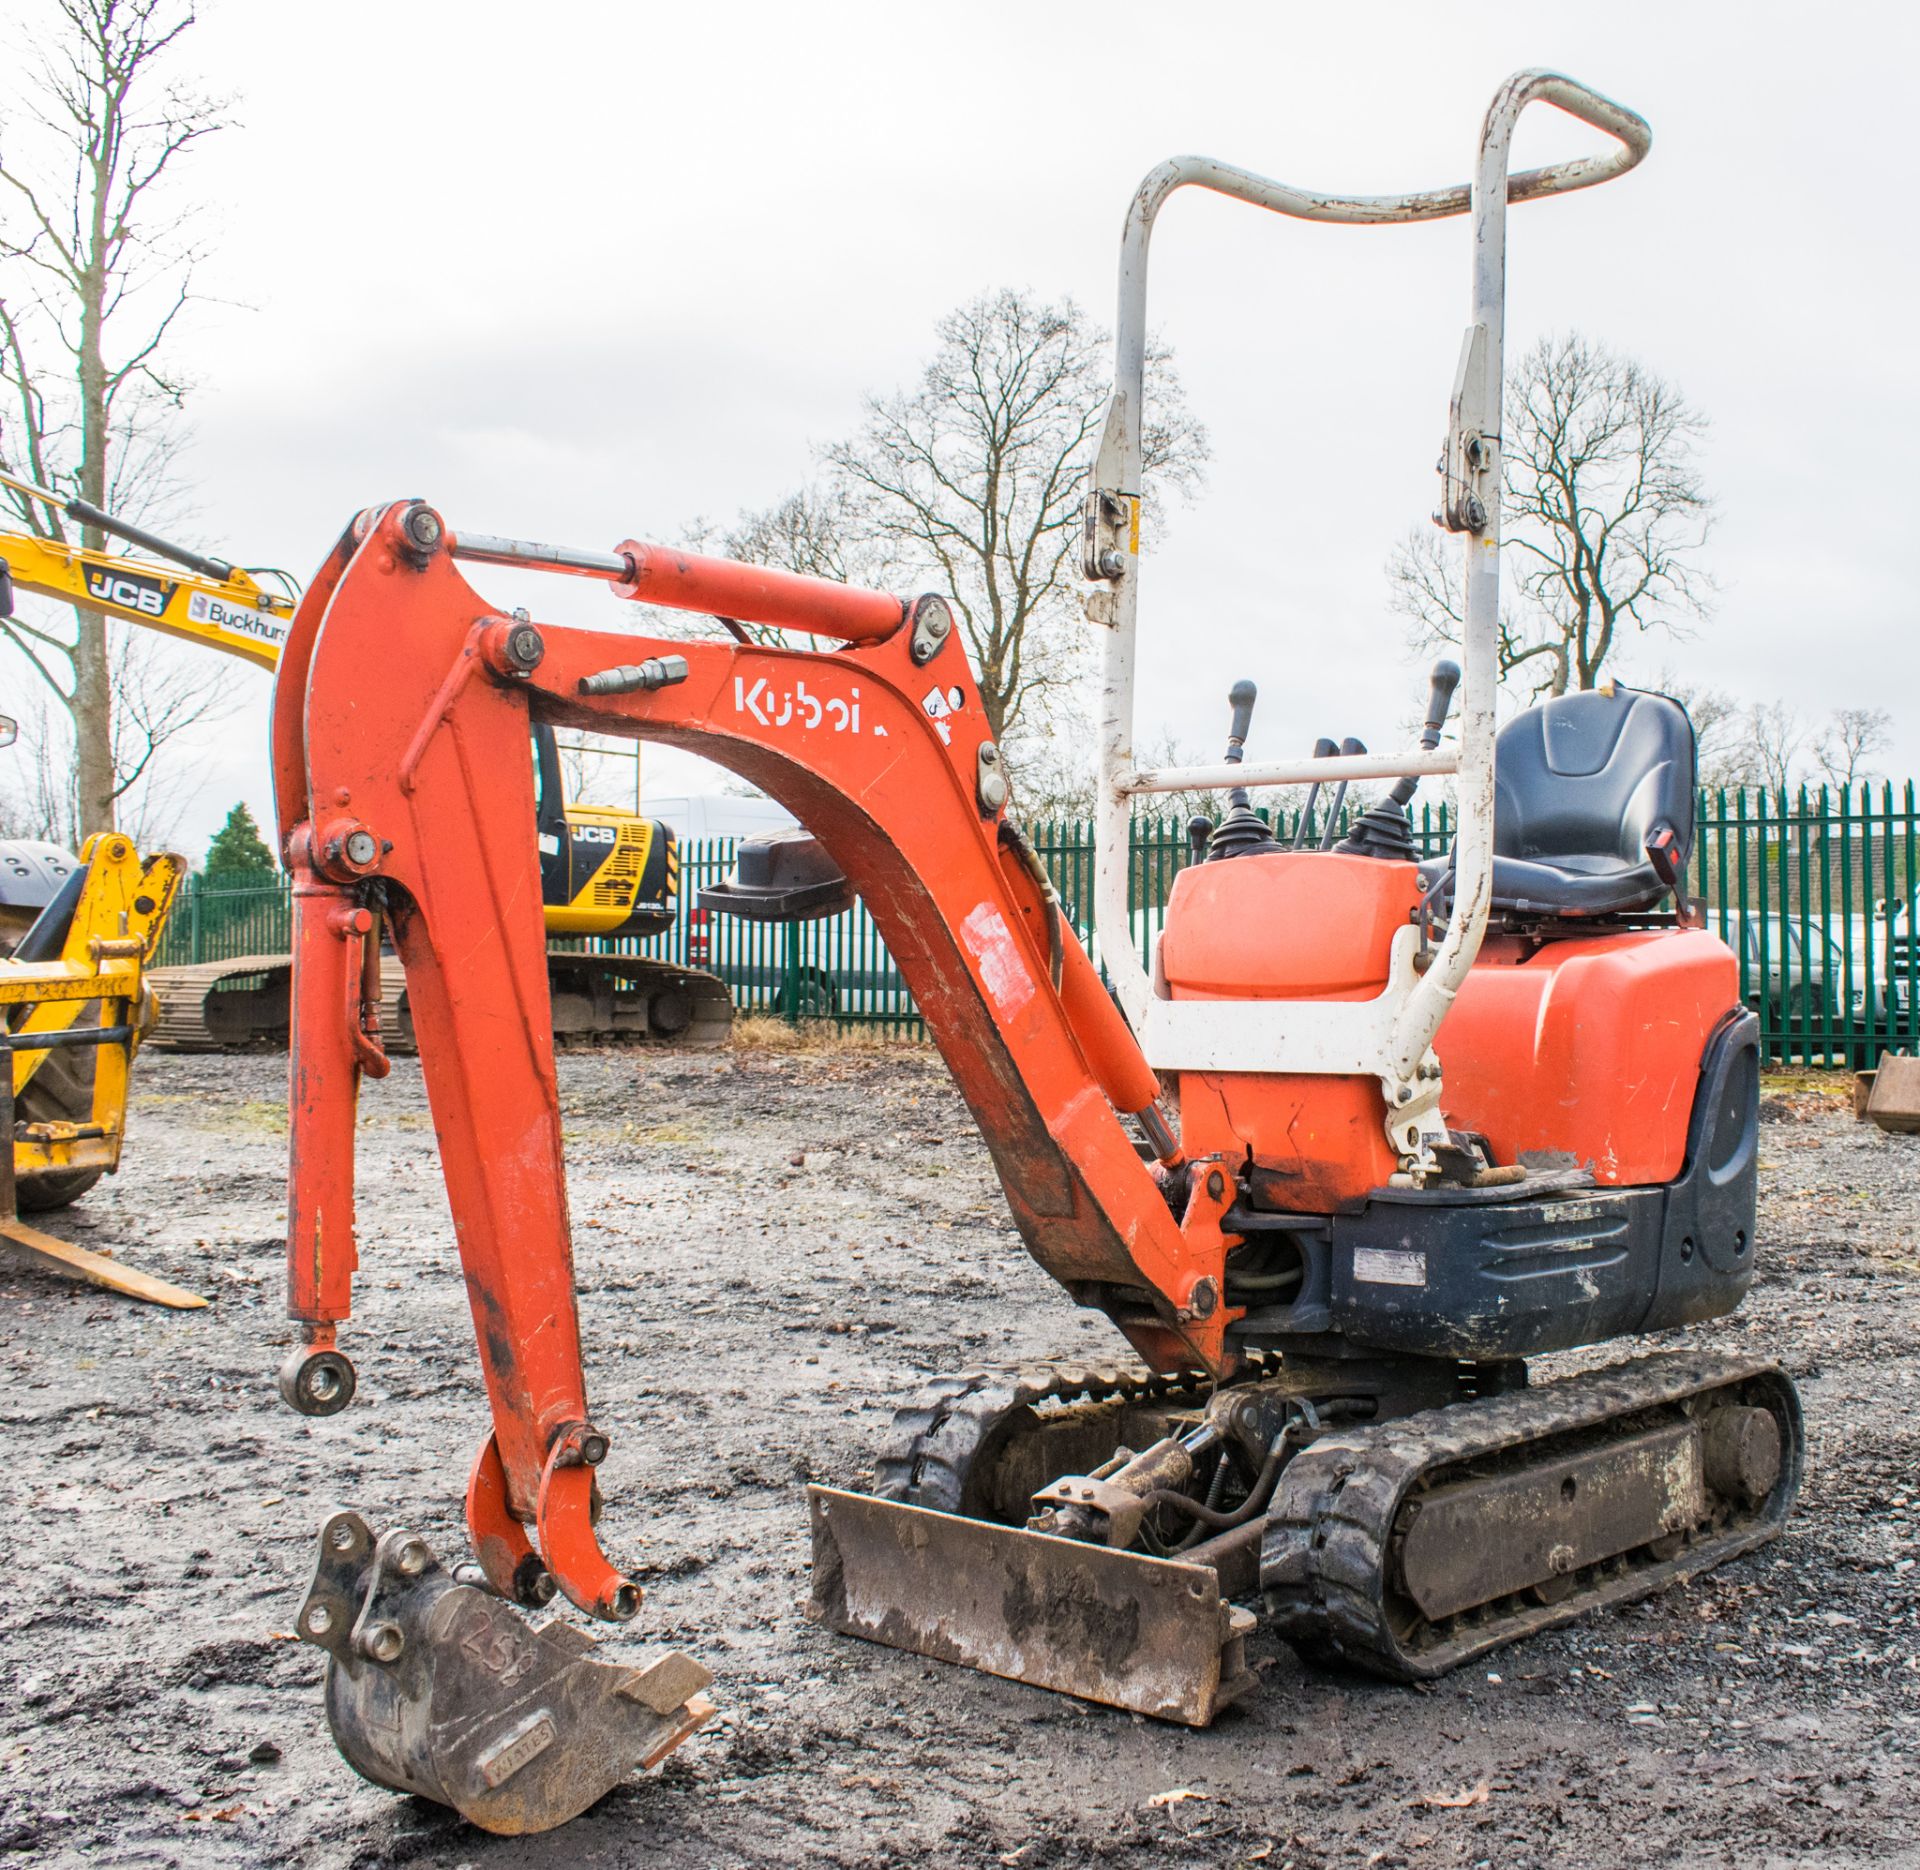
(74, 1008)
(603, 871)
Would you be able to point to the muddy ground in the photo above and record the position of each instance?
(772, 1249)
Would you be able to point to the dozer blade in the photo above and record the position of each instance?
(1150, 1635)
(443, 1689)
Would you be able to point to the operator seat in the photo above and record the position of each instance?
(1593, 805)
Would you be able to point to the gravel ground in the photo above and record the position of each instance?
(772, 1249)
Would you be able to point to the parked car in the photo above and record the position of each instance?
(1798, 981)
(1900, 963)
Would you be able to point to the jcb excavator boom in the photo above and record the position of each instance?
(603, 871)
(207, 601)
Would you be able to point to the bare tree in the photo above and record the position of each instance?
(1605, 517)
(36, 781)
(1845, 746)
(1719, 730)
(970, 483)
(160, 690)
(1773, 737)
(106, 270)
(810, 531)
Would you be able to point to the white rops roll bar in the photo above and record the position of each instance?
(1392, 1036)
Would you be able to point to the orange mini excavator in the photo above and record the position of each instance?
(1369, 1135)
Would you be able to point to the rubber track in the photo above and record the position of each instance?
(1326, 1553)
(183, 992)
(933, 1443)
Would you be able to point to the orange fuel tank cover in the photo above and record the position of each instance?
(1290, 925)
(1590, 1045)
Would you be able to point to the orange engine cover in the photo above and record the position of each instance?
(1591, 1045)
(1304, 925)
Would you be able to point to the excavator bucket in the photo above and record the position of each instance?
(441, 1688)
(1150, 1635)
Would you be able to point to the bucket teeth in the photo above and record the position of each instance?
(443, 1689)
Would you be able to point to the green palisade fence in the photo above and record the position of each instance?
(229, 913)
(1814, 892)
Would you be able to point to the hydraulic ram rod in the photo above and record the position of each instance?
(718, 587)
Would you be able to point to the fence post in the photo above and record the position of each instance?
(193, 920)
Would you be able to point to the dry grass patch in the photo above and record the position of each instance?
(817, 1038)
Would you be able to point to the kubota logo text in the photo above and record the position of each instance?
(773, 707)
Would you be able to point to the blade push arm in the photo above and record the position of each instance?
(413, 788)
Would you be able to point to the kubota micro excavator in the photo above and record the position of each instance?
(603, 871)
(1433, 1119)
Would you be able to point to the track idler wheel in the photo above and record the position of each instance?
(443, 1689)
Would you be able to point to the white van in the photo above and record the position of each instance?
(701, 815)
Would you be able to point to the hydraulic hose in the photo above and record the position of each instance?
(1254, 1504)
(1017, 841)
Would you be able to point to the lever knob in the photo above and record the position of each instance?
(1240, 698)
(1444, 680)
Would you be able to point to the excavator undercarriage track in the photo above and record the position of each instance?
(973, 1444)
(1406, 1545)
(1409, 1547)
(245, 1003)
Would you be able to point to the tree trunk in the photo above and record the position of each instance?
(92, 703)
(92, 710)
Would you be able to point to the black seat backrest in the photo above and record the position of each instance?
(1589, 776)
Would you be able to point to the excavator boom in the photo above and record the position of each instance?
(404, 798)
(200, 600)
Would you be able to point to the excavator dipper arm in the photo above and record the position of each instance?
(404, 788)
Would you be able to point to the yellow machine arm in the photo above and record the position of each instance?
(85, 995)
(604, 871)
(204, 601)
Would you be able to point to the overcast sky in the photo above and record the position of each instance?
(590, 271)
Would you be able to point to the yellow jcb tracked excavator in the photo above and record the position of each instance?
(603, 871)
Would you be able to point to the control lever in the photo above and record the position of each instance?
(1442, 682)
(1242, 832)
(1240, 697)
(1349, 746)
(1384, 831)
(1323, 749)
